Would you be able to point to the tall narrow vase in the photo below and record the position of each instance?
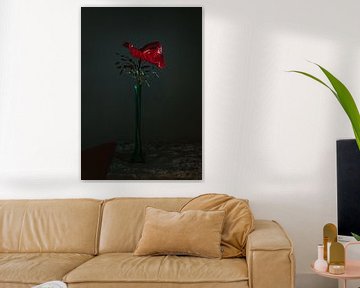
(320, 264)
(137, 156)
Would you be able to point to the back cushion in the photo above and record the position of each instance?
(68, 226)
(123, 220)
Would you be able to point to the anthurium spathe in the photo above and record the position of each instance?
(152, 53)
(137, 65)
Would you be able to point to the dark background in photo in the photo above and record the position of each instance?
(172, 105)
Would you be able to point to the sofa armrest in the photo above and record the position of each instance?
(269, 256)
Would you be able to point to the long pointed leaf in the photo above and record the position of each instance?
(316, 79)
(344, 97)
(357, 137)
(347, 102)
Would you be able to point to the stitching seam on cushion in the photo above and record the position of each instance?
(152, 281)
(250, 270)
(22, 225)
(291, 255)
(286, 235)
(161, 263)
(220, 234)
(191, 199)
(98, 228)
(17, 282)
(271, 249)
(67, 273)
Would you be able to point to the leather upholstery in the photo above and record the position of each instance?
(269, 256)
(73, 226)
(36, 268)
(15, 285)
(193, 233)
(242, 284)
(239, 220)
(123, 218)
(125, 268)
(68, 226)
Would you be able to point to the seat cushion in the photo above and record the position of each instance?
(126, 268)
(15, 285)
(35, 268)
(51, 226)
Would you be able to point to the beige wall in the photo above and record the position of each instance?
(268, 135)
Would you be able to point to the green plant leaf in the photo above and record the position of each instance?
(357, 137)
(356, 236)
(316, 79)
(344, 97)
(347, 102)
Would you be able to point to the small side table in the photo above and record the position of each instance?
(352, 269)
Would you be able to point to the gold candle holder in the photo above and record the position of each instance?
(337, 258)
(329, 237)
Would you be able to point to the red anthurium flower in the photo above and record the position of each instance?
(151, 53)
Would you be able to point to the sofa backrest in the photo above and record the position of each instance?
(123, 220)
(68, 226)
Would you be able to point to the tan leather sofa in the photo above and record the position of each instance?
(89, 243)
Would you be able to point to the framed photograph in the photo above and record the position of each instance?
(141, 93)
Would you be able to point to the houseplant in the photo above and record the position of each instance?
(357, 237)
(346, 100)
(344, 97)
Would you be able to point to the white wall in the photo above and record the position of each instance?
(268, 135)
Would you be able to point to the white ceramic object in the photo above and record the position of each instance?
(51, 284)
(320, 264)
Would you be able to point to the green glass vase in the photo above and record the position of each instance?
(138, 156)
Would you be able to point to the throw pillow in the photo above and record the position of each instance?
(239, 220)
(193, 232)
